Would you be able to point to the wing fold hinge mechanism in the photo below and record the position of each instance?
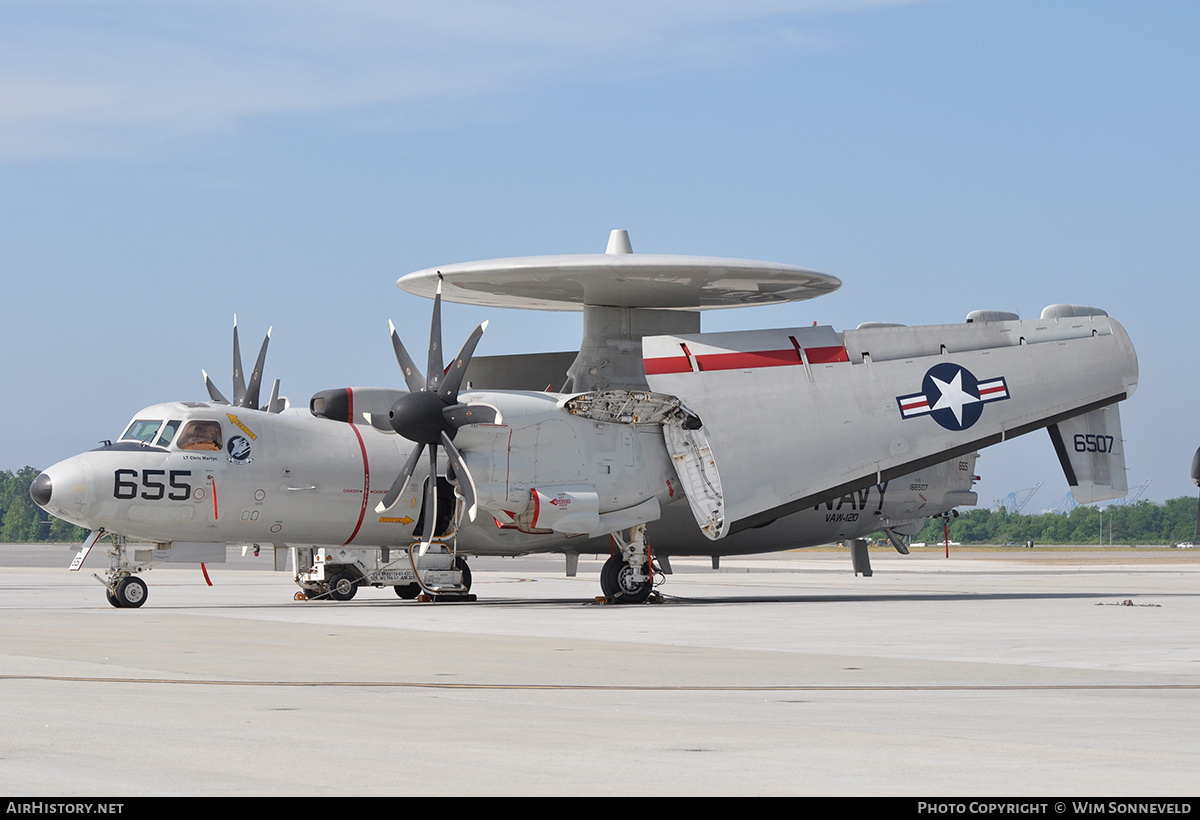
(697, 470)
(685, 440)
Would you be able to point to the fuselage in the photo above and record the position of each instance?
(204, 472)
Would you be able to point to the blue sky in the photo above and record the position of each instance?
(164, 165)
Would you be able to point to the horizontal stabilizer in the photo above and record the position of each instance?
(1092, 454)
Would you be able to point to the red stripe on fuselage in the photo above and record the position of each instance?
(749, 359)
(675, 364)
(745, 360)
(826, 355)
(366, 493)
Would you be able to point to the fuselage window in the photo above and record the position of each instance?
(168, 432)
(142, 430)
(201, 435)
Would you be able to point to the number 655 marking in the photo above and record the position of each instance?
(125, 485)
(1092, 443)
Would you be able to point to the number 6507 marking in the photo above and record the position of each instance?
(1093, 444)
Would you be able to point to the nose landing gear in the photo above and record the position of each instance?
(123, 589)
(129, 594)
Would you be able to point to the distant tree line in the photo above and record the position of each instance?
(1144, 522)
(22, 521)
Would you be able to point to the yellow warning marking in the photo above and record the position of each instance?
(404, 520)
(245, 429)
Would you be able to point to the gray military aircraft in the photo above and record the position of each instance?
(660, 441)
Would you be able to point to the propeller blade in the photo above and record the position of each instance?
(275, 405)
(430, 503)
(252, 389)
(466, 484)
(379, 422)
(401, 483)
(434, 370)
(412, 376)
(458, 368)
(213, 392)
(460, 415)
(239, 381)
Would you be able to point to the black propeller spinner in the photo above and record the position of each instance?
(430, 415)
(246, 395)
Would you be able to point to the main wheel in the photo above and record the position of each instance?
(630, 591)
(620, 585)
(460, 563)
(131, 592)
(342, 587)
(608, 577)
(408, 592)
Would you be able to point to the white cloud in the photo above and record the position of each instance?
(81, 76)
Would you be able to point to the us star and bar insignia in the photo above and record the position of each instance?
(952, 396)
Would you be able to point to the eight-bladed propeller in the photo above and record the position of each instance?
(430, 415)
(246, 395)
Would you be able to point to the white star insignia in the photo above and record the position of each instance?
(953, 396)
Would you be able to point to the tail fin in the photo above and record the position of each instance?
(1092, 454)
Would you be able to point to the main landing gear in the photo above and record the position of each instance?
(627, 577)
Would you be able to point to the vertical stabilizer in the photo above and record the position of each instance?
(1092, 454)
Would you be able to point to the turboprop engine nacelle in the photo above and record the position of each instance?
(546, 469)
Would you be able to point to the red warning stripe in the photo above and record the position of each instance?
(366, 492)
(746, 360)
(826, 355)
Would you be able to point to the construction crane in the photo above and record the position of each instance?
(1015, 501)
(1068, 503)
(1134, 496)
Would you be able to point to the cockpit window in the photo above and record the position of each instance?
(168, 432)
(142, 430)
(201, 435)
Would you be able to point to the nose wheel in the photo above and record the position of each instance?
(130, 593)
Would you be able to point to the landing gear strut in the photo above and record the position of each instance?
(627, 576)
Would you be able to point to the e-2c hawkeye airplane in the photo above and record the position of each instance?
(660, 440)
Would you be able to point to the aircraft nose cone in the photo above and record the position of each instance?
(40, 489)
